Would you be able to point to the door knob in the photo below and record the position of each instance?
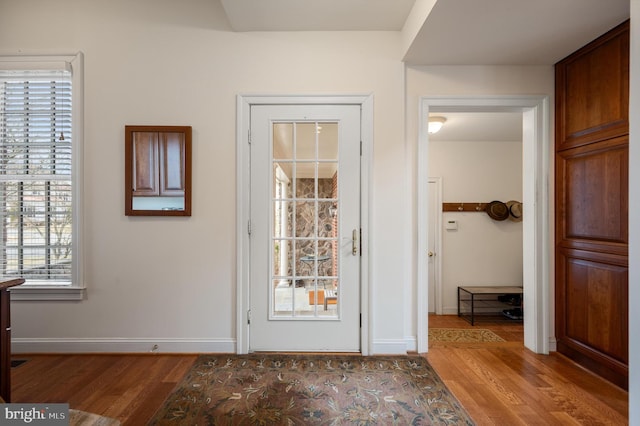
(430, 253)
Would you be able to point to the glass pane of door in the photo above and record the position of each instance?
(305, 211)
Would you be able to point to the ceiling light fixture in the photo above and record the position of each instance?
(435, 124)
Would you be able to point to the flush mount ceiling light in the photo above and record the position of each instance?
(435, 124)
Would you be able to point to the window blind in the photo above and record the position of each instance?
(36, 176)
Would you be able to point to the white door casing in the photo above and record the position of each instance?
(243, 293)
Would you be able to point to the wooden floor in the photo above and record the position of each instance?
(497, 383)
(506, 384)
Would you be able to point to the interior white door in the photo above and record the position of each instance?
(433, 213)
(305, 228)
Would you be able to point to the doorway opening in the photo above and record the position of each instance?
(535, 171)
(477, 157)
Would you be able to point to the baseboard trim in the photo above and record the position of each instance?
(411, 343)
(389, 347)
(124, 345)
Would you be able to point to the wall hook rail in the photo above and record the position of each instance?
(464, 207)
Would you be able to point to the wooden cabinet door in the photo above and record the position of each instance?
(172, 160)
(592, 171)
(145, 166)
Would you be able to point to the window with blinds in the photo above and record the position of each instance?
(36, 197)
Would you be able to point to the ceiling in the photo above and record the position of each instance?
(456, 32)
(479, 127)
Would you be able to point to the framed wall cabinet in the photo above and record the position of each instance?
(158, 170)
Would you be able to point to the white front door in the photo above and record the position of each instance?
(305, 228)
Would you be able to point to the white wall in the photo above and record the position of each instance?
(164, 62)
(481, 251)
(468, 81)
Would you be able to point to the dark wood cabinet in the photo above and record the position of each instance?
(158, 170)
(145, 167)
(592, 170)
(5, 337)
(171, 149)
(159, 164)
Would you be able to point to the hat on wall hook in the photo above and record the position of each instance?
(497, 210)
(515, 210)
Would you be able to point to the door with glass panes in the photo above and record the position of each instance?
(305, 228)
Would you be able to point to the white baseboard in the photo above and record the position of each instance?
(389, 347)
(124, 345)
(411, 343)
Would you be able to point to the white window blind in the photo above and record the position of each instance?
(36, 197)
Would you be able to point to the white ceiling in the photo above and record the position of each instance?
(511, 32)
(456, 32)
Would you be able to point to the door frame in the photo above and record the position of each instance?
(243, 176)
(536, 211)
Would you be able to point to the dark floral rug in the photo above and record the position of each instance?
(276, 389)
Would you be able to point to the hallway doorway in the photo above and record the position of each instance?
(535, 116)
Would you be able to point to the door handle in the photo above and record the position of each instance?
(354, 241)
(430, 253)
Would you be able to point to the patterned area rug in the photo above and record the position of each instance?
(278, 389)
(463, 335)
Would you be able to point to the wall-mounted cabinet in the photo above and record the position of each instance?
(592, 206)
(158, 170)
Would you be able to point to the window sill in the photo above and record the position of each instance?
(35, 293)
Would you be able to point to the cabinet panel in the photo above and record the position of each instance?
(592, 87)
(593, 290)
(592, 312)
(594, 194)
(172, 160)
(145, 166)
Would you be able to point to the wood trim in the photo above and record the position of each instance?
(128, 192)
(607, 368)
(465, 207)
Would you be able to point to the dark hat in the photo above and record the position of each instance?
(497, 210)
(515, 210)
